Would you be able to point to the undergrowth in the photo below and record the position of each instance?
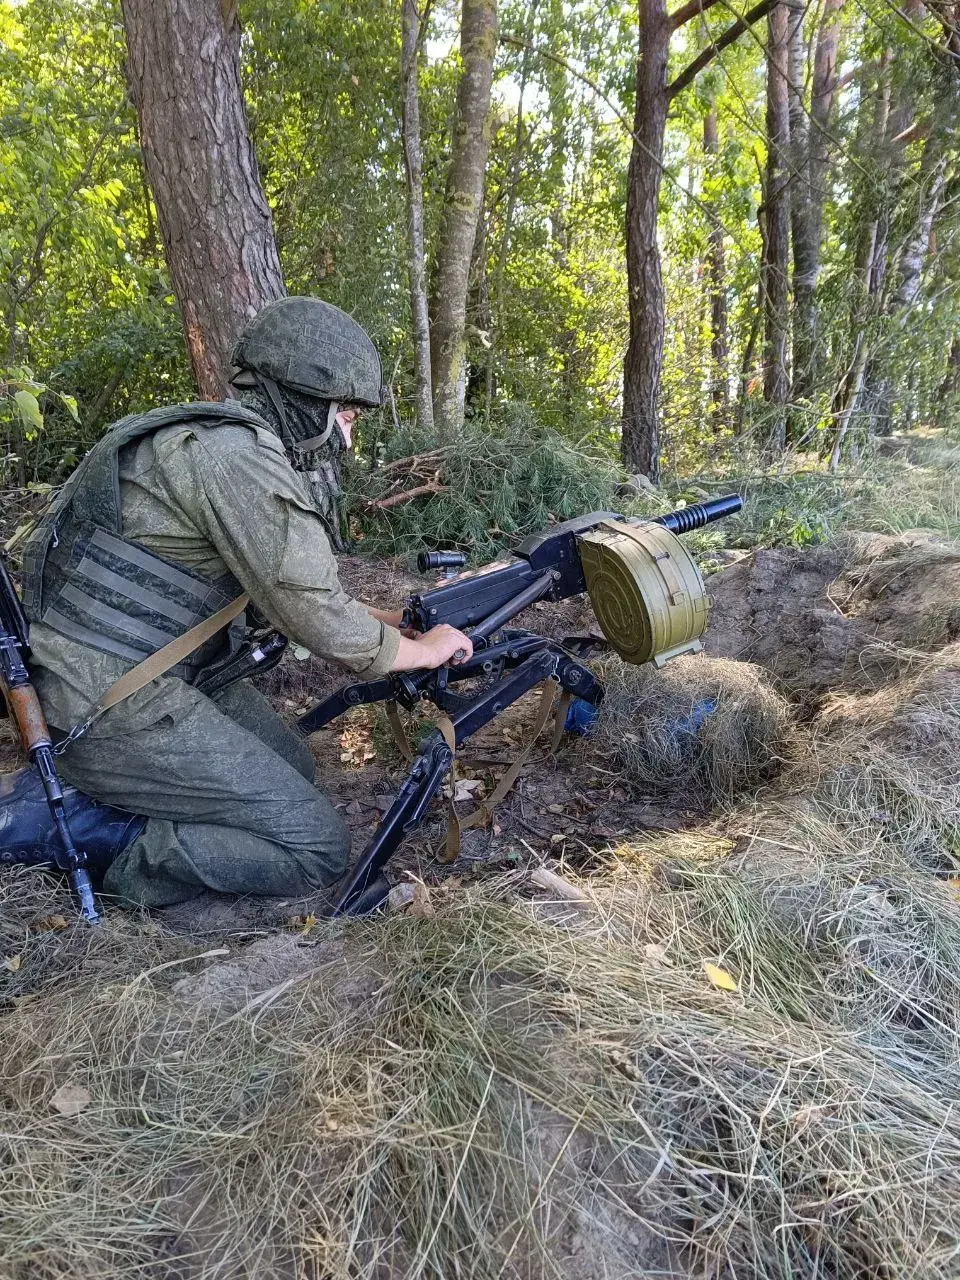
(496, 486)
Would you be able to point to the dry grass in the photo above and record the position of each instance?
(708, 727)
(505, 1091)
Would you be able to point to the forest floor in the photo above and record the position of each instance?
(724, 1043)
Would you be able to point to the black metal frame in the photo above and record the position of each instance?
(510, 662)
(522, 660)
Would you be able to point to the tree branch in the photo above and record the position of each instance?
(688, 11)
(421, 490)
(732, 33)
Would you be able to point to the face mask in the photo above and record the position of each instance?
(313, 442)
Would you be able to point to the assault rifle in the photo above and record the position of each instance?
(650, 602)
(23, 706)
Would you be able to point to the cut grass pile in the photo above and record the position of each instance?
(708, 727)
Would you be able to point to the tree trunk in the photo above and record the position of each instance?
(810, 149)
(933, 166)
(471, 144)
(640, 445)
(870, 253)
(775, 265)
(184, 75)
(805, 254)
(416, 239)
(500, 268)
(949, 389)
(716, 274)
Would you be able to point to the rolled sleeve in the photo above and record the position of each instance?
(263, 525)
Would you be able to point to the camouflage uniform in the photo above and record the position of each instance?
(226, 787)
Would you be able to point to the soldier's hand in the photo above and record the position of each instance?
(432, 649)
(445, 644)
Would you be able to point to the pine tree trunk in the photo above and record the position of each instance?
(716, 274)
(640, 444)
(184, 75)
(471, 144)
(776, 381)
(416, 237)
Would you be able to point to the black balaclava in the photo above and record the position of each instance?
(300, 421)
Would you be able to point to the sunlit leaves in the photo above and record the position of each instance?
(28, 406)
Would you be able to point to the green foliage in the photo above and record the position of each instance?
(86, 306)
(79, 257)
(498, 485)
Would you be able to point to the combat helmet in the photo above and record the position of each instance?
(313, 347)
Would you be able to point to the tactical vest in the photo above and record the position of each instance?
(84, 580)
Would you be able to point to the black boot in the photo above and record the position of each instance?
(27, 832)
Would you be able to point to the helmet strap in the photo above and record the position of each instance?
(316, 442)
(273, 395)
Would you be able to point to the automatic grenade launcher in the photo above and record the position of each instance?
(649, 599)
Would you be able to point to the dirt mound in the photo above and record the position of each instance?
(837, 617)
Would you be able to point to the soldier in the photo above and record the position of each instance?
(172, 514)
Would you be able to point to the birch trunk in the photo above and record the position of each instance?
(416, 238)
(716, 274)
(775, 267)
(471, 144)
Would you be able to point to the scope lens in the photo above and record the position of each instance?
(427, 560)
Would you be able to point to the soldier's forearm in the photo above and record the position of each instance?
(391, 617)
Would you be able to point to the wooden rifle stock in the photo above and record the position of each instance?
(23, 707)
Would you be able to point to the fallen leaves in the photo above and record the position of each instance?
(71, 1099)
(356, 746)
(722, 980)
(412, 897)
(12, 963)
(48, 924)
(302, 924)
(469, 789)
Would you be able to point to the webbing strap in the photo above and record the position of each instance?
(399, 733)
(484, 811)
(161, 662)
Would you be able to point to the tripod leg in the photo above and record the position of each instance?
(367, 889)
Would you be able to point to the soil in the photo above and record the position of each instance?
(840, 617)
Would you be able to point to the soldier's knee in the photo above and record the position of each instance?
(330, 848)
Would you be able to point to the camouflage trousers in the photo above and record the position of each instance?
(228, 793)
